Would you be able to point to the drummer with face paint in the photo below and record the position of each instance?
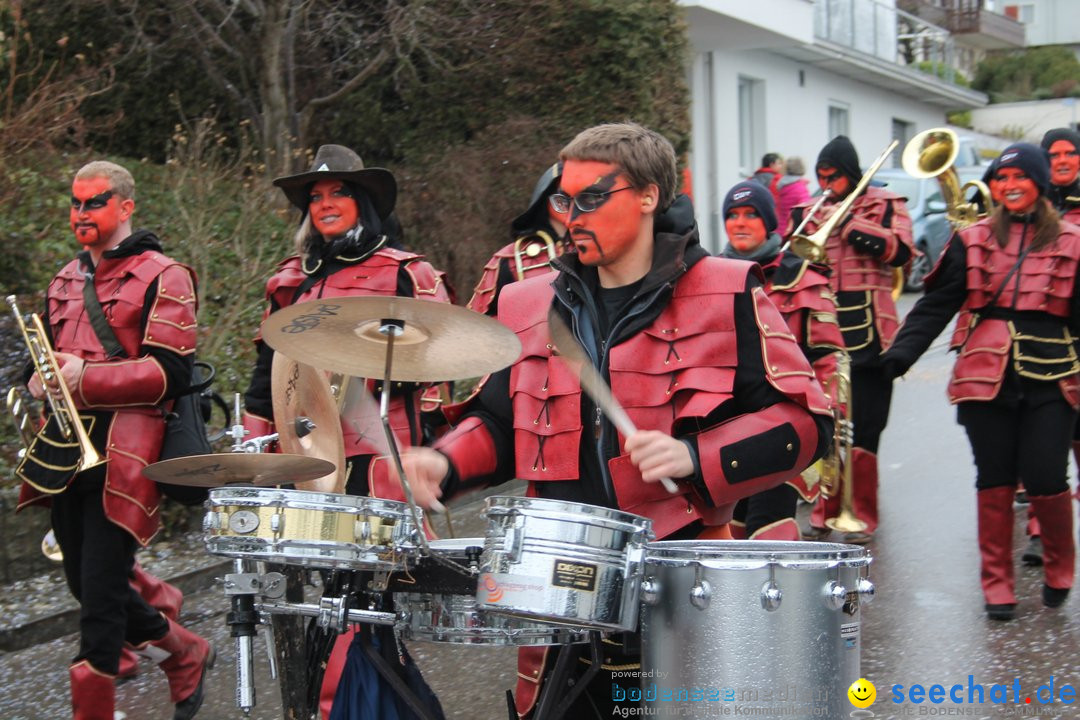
(1016, 382)
(800, 290)
(348, 243)
(680, 337)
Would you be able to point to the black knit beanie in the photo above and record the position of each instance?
(755, 195)
(1069, 136)
(840, 154)
(1032, 161)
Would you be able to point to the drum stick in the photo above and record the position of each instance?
(593, 383)
(361, 410)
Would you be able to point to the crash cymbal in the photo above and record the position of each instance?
(299, 390)
(220, 469)
(438, 341)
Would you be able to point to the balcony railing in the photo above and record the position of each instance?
(886, 32)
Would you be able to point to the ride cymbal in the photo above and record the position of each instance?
(299, 390)
(437, 342)
(221, 469)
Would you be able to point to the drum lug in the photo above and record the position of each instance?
(866, 590)
(701, 594)
(650, 591)
(211, 521)
(835, 595)
(277, 523)
(513, 542)
(362, 531)
(771, 595)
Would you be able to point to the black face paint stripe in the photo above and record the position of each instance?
(604, 184)
(93, 203)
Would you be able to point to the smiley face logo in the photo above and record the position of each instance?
(862, 693)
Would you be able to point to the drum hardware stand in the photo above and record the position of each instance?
(561, 689)
(241, 586)
(304, 426)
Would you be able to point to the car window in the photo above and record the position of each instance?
(903, 185)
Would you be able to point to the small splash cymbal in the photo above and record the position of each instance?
(221, 469)
(437, 341)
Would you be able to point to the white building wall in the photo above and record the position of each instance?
(1054, 22)
(1026, 120)
(796, 122)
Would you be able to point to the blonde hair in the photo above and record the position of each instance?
(646, 156)
(120, 180)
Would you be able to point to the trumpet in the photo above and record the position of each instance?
(836, 470)
(64, 411)
(932, 154)
(812, 247)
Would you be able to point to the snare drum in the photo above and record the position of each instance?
(455, 619)
(313, 529)
(749, 615)
(563, 562)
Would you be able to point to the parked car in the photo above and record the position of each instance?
(930, 230)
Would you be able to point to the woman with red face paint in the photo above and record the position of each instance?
(861, 252)
(1063, 147)
(680, 337)
(347, 244)
(1016, 382)
(537, 239)
(800, 291)
(122, 373)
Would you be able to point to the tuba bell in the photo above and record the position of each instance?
(932, 154)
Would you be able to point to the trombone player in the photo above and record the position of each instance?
(121, 318)
(862, 250)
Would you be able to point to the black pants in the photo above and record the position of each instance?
(871, 397)
(1027, 440)
(621, 652)
(98, 560)
(766, 507)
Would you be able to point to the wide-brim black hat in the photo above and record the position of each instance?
(338, 161)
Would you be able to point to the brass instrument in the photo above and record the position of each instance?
(20, 414)
(531, 246)
(63, 406)
(931, 154)
(836, 469)
(812, 247)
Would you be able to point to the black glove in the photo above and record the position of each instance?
(869, 244)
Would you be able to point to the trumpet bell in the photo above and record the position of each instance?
(846, 522)
(50, 548)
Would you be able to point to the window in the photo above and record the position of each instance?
(838, 119)
(902, 131)
(1024, 13)
(751, 123)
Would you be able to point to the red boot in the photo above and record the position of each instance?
(1055, 513)
(864, 474)
(995, 550)
(1033, 553)
(160, 595)
(189, 657)
(129, 665)
(93, 693)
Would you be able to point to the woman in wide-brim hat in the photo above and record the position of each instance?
(347, 245)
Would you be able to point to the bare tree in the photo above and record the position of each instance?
(282, 61)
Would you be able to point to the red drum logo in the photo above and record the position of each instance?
(494, 592)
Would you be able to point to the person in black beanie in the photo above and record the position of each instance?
(800, 290)
(1062, 145)
(1016, 382)
(862, 251)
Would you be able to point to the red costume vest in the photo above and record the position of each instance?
(809, 309)
(526, 257)
(857, 271)
(134, 385)
(376, 275)
(1046, 279)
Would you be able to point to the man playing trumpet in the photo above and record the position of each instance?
(862, 251)
(121, 317)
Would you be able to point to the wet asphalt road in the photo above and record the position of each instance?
(925, 626)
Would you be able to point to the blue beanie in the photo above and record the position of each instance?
(757, 196)
(1029, 159)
